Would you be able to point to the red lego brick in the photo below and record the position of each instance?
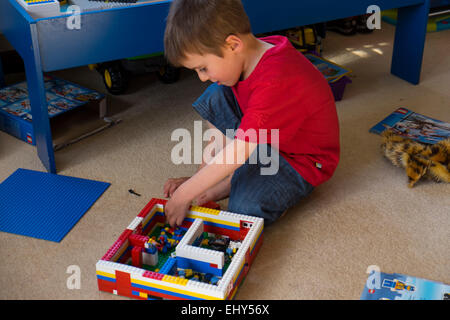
(123, 282)
(125, 234)
(211, 205)
(136, 257)
(107, 286)
(112, 251)
(153, 275)
(147, 208)
(150, 205)
(137, 240)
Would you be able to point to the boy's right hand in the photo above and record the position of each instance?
(172, 184)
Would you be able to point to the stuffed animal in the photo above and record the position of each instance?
(419, 159)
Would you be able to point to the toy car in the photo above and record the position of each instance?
(116, 74)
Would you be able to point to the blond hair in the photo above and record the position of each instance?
(202, 26)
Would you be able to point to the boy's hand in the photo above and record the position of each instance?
(176, 209)
(172, 184)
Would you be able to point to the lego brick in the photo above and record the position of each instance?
(164, 284)
(175, 280)
(195, 230)
(168, 266)
(211, 205)
(123, 283)
(153, 275)
(150, 259)
(136, 256)
(134, 224)
(205, 210)
(138, 240)
(148, 208)
(201, 254)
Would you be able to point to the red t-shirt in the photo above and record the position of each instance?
(286, 92)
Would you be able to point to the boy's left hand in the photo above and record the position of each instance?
(176, 209)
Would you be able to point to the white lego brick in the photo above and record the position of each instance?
(234, 217)
(104, 266)
(255, 233)
(225, 285)
(201, 254)
(235, 244)
(180, 250)
(150, 259)
(195, 228)
(133, 225)
(205, 289)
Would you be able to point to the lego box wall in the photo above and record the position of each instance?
(206, 258)
(62, 97)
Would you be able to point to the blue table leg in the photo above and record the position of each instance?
(2, 77)
(410, 41)
(38, 101)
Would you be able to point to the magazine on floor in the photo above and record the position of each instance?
(415, 126)
(395, 286)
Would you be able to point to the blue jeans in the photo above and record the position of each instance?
(254, 194)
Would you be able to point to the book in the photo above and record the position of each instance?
(395, 286)
(415, 126)
(331, 71)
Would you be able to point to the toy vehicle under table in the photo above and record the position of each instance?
(116, 74)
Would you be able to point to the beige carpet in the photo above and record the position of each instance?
(365, 215)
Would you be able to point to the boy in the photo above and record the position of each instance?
(259, 86)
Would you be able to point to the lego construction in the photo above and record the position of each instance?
(207, 257)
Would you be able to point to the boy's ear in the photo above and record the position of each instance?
(234, 43)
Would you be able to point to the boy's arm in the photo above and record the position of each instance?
(222, 165)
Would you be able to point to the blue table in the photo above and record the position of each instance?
(48, 45)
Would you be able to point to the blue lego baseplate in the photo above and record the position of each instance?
(44, 205)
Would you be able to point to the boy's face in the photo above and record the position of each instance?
(224, 70)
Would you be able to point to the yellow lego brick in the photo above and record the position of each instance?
(209, 219)
(205, 210)
(143, 295)
(106, 274)
(175, 280)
